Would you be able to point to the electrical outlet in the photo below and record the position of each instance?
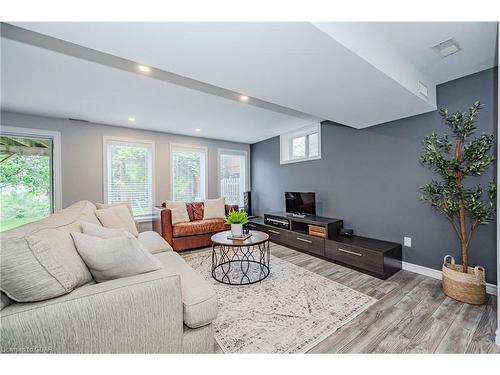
(407, 241)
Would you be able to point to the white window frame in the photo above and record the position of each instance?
(227, 151)
(56, 156)
(188, 147)
(286, 143)
(132, 142)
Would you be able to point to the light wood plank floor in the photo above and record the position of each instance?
(412, 314)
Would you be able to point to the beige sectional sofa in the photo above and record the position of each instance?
(166, 311)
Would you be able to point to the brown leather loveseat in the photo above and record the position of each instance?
(194, 234)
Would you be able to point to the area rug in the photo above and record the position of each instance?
(290, 311)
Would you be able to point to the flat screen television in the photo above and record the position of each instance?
(300, 203)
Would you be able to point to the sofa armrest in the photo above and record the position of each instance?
(231, 207)
(138, 314)
(162, 224)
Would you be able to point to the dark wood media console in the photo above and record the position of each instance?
(375, 257)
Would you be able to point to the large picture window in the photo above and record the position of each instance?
(301, 145)
(29, 175)
(188, 166)
(232, 175)
(129, 173)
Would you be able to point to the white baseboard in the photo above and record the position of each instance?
(497, 337)
(436, 274)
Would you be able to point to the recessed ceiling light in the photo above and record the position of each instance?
(144, 68)
(447, 48)
(243, 98)
(131, 119)
(197, 130)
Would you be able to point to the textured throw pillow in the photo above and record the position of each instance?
(179, 211)
(117, 217)
(113, 258)
(214, 209)
(127, 204)
(101, 232)
(195, 210)
(39, 260)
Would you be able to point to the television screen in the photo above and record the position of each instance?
(300, 203)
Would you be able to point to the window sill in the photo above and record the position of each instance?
(299, 160)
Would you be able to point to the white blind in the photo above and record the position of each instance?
(188, 174)
(232, 176)
(130, 175)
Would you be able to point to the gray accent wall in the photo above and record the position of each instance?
(82, 159)
(370, 178)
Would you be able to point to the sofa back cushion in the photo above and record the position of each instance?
(195, 210)
(40, 261)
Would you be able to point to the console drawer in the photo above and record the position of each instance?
(307, 243)
(255, 226)
(355, 256)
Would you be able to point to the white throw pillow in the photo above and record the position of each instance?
(113, 258)
(117, 217)
(179, 211)
(101, 232)
(214, 209)
(127, 204)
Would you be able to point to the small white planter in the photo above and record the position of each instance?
(237, 230)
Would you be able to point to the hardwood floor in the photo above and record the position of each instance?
(412, 314)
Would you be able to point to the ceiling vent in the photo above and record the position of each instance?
(447, 48)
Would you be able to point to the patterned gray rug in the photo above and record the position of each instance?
(290, 311)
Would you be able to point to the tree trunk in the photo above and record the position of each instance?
(461, 212)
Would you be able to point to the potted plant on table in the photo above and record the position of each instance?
(465, 207)
(237, 219)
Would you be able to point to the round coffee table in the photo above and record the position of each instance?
(240, 262)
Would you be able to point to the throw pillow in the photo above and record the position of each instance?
(179, 211)
(101, 232)
(117, 217)
(195, 210)
(113, 258)
(214, 209)
(127, 204)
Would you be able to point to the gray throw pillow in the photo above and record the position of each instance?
(114, 258)
(101, 232)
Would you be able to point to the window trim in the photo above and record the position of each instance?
(56, 156)
(289, 136)
(107, 139)
(228, 151)
(173, 146)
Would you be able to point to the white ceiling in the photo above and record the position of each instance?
(357, 74)
(39, 81)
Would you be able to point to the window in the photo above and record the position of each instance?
(129, 173)
(301, 145)
(188, 166)
(30, 184)
(232, 175)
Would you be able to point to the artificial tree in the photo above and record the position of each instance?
(464, 206)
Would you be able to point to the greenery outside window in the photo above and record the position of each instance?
(129, 174)
(29, 175)
(188, 171)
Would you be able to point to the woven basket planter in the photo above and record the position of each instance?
(467, 287)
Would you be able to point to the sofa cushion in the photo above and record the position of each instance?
(114, 258)
(195, 210)
(117, 217)
(214, 209)
(153, 242)
(199, 299)
(179, 211)
(198, 227)
(40, 261)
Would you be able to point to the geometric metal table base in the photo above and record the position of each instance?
(240, 264)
